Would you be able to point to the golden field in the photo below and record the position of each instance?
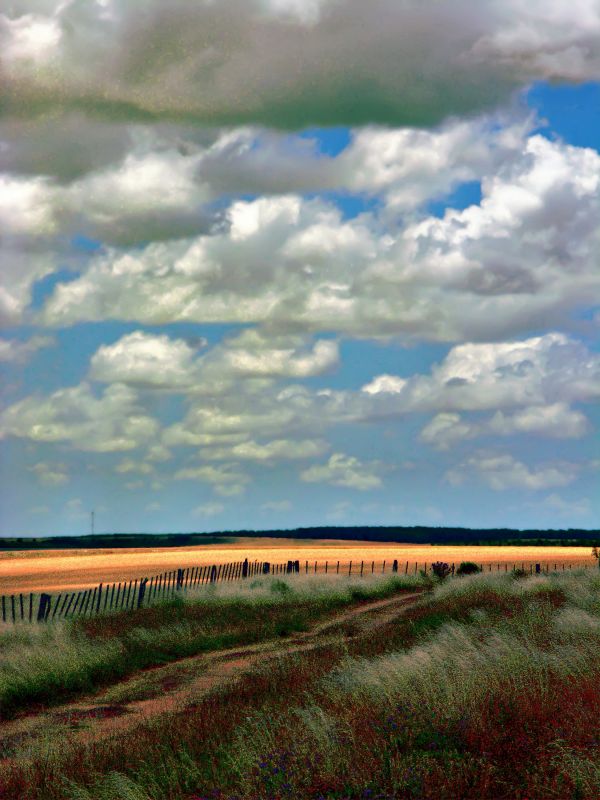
(62, 570)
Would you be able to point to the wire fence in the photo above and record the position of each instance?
(142, 592)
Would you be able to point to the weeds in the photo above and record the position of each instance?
(48, 663)
(487, 689)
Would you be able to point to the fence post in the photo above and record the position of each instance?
(213, 573)
(538, 568)
(142, 591)
(179, 578)
(297, 566)
(395, 565)
(244, 568)
(44, 604)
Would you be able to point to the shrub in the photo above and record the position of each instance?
(441, 570)
(467, 568)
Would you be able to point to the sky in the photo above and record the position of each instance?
(278, 263)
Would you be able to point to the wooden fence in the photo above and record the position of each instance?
(137, 593)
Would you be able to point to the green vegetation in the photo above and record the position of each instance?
(49, 663)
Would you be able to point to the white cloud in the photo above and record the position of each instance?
(277, 506)
(346, 471)
(128, 465)
(75, 509)
(385, 384)
(275, 450)
(14, 351)
(159, 362)
(111, 422)
(524, 256)
(51, 474)
(226, 480)
(145, 360)
(501, 472)
(208, 510)
(567, 507)
(543, 373)
(556, 420)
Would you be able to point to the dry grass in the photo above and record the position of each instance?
(487, 690)
(66, 570)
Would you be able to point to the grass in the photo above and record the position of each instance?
(51, 663)
(489, 688)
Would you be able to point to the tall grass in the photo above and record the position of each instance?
(497, 706)
(49, 663)
(487, 690)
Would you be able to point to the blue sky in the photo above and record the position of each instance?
(239, 305)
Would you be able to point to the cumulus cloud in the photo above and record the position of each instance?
(150, 361)
(145, 360)
(111, 422)
(287, 64)
(567, 508)
(226, 480)
(275, 450)
(542, 374)
(208, 509)
(51, 474)
(502, 471)
(524, 256)
(556, 420)
(346, 471)
(277, 506)
(16, 351)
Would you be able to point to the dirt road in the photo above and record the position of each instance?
(159, 691)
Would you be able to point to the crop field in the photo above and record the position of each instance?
(312, 688)
(66, 570)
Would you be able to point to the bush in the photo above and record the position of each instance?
(441, 569)
(519, 573)
(467, 568)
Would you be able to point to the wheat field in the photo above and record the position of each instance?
(52, 570)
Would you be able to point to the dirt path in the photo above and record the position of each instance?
(169, 689)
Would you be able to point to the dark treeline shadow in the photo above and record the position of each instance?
(406, 535)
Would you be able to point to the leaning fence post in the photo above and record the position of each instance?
(142, 591)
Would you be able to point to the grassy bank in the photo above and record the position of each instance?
(494, 694)
(53, 662)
